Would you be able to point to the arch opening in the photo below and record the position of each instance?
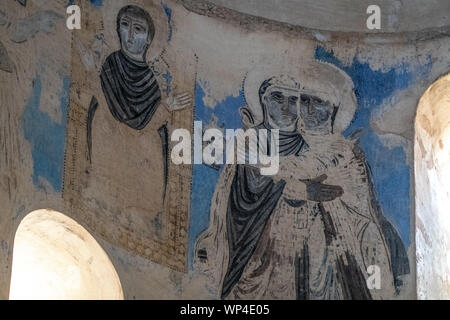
(432, 191)
(56, 258)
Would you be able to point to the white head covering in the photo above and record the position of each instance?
(321, 79)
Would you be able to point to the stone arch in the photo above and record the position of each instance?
(54, 257)
(432, 191)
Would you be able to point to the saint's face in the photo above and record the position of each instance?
(281, 106)
(314, 112)
(134, 36)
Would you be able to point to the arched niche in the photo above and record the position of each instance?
(56, 258)
(432, 191)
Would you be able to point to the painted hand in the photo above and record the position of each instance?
(318, 192)
(179, 101)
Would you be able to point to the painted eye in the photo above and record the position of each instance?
(277, 96)
(293, 99)
(317, 100)
(304, 98)
(124, 24)
(139, 28)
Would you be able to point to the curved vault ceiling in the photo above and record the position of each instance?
(345, 15)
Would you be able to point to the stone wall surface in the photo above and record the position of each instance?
(85, 129)
(431, 170)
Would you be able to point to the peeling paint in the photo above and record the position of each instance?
(225, 115)
(168, 12)
(27, 28)
(390, 171)
(46, 137)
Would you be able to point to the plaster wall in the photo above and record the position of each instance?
(209, 50)
(348, 15)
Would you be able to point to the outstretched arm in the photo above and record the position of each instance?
(319, 192)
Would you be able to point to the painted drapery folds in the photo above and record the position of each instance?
(131, 90)
(130, 108)
(312, 231)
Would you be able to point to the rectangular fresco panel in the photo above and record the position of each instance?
(128, 93)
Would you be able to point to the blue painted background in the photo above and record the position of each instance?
(96, 3)
(204, 178)
(168, 12)
(47, 138)
(391, 173)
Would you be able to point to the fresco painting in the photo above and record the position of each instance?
(311, 231)
(129, 109)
